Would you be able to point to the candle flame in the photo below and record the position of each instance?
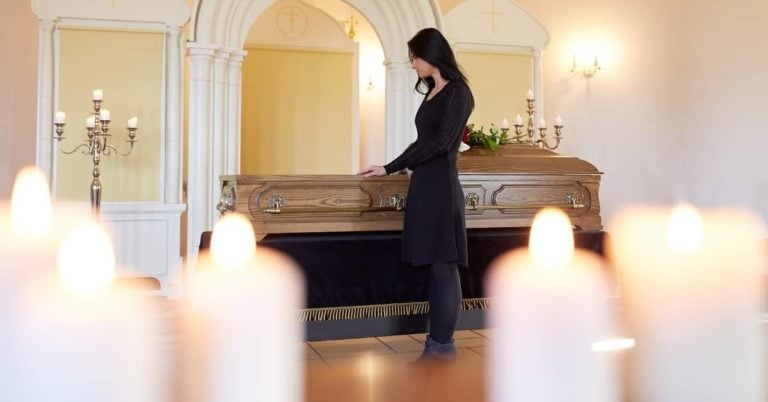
(86, 259)
(551, 242)
(233, 243)
(31, 209)
(685, 231)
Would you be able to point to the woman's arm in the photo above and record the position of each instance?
(455, 115)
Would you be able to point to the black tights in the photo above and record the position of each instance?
(444, 300)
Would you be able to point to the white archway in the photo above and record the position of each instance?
(215, 51)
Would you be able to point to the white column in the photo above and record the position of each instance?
(538, 83)
(173, 107)
(45, 131)
(199, 159)
(220, 116)
(234, 111)
(401, 107)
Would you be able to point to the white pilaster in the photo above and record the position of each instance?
(234, 112)
(45, 71)
(220, 116)
(401, 107)
(538, 82)
(200, 165)
(173, 108)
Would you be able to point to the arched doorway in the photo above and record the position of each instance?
(215, 53)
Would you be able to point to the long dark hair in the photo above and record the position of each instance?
(431, 46)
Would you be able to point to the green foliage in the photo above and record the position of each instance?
(490, 140)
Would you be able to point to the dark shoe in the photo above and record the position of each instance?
(435, 352)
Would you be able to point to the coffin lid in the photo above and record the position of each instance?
(521, 159)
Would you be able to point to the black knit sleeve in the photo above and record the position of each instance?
(400, 162)
(455, 115)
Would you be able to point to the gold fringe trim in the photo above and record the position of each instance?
(384, 310)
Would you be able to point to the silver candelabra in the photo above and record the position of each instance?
(96, 145)
(529, 136)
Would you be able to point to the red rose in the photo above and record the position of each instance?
(465, 137)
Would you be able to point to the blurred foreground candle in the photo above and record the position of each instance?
(242, 338)
(30, 231)
(549, 310)
(694, 283)
(81, 340)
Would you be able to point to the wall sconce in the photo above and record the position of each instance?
(584, 68)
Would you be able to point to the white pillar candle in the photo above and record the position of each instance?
(243, 334)
(90, 122)
(80, 340)
(505, 124)
(542, 123)
(529, 95)
(559, 121)
(549, 310)
(105, 115)
(60, 117)
(694, 284)
(133, 122)
(518, 120)
(98, 94)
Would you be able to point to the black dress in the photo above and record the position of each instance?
(434, 228)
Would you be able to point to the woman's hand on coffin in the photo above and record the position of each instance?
(373, 170)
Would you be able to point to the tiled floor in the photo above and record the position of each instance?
(400, 348)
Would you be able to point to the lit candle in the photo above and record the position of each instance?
(694, 289)
(559, 121)
(79, 339)
(542, 123)
(133, 122)
(98, 94)
(505, 124)
(245, 339)
(60, 117)
(529, 95)
(549, 310)
(104, 115)
(30, 232)
(90, 122)
(518, 120)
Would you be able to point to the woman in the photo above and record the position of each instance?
(434, 233)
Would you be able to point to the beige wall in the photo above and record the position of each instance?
(18, 86)
(679, 109)
(297, 108)
(127, 66)
(497, 80)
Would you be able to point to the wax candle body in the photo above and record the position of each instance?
(92, 349)
(66, 340)
(243, 337)
(545, 323)
(549, 311)
(694, 295)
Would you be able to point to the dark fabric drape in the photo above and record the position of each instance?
(364, 268)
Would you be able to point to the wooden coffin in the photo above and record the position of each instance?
(503, 188)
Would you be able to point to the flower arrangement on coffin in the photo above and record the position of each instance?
(490, 140)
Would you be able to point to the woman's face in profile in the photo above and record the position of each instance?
(422, 67)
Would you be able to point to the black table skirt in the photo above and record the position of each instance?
(360, 274)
